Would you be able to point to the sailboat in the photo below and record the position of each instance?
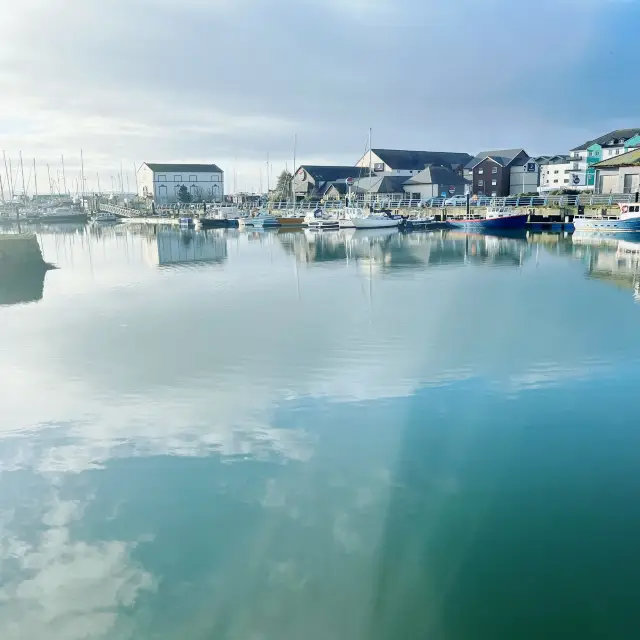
(292, 218)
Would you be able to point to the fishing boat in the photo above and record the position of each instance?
(497, 217)
(628, 221)
(376, 221)
(262, 219)
(320, 220)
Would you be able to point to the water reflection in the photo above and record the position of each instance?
(22, 269)
(343, 459)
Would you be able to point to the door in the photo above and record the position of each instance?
(608, 184)
(162, 193)
(631, 183)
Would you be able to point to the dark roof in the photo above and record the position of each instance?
(328, 173)
(437, 175)
(619, 134)
(381, 184)
(203, 168)
(417, 160)
(502, 156)
(629, 159)
(558, 159)
(339, 185)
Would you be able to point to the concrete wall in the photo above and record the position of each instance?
(523, 181)
(615, 181)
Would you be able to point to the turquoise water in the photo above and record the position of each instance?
(282, 436)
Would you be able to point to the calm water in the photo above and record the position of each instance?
(293, 437)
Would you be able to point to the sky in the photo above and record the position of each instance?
(232, 81)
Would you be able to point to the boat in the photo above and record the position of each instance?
(106, 217)
(627, 222)
(376, 221)
(320, 220)
(261, 219)
(419, 222)
(497, 217)
(185, 222)
(213, 222)
(347, 214)
(292, 219)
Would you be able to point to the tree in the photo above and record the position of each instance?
(283, 187)
(183, 194)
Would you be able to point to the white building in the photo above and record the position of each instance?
(162, 182)
(555, 173)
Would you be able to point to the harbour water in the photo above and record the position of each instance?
(349, 435)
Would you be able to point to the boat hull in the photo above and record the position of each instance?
(291, 222)
(323, 225)
(506, 222)
(631, 225)
(213, 223)
(376, 223)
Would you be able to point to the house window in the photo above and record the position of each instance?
(555, 182)
(162, 178)
(177, 178)
(617, 151)
(494, 194)
(576, 166)
(193, 178)
(481, 183)
(494, 183)
(480, 171)
(556, 172)
(494, 170)
(566, 180)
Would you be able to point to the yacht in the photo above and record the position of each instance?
(376, 221)
(262, 219)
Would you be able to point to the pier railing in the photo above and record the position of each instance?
(540, 201)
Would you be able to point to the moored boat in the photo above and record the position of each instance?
(261, 219)
(376, 221)
(627, 222)
(494, 218)
(105, 217)
(320, 220)
(291, 219)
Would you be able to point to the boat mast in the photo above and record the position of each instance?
(370, 166)
(49, 176)
(293, 193)
(82, 175)
(35, 178)
(64, 178)
(6, 171)
(24, 189)
(2, 189)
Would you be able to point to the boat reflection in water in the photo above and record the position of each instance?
(172, 247)
(389, 249)
(613, 259)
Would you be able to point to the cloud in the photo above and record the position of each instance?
(60, 588)
(230, 81)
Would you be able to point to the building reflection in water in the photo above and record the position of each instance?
(174, 247)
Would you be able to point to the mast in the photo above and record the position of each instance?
(24, 189)
(49, 176)
(98, 179)
(121, 180)
(6, 171)
(370, 166)
(82, 175)
(293, 193)
(64, 178)
(268, 181)
(35, 178)
(2, 189)
(135, 175)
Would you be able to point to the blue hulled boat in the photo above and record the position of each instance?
(627, 222)
(494, 218)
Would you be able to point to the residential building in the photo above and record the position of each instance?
(554, 172)
(316, 180)
(591, 152)
(490, 173)
(619, 174)
(433, 181)
(408, 163)
(162, 182)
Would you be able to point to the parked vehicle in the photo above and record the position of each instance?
(456, 201)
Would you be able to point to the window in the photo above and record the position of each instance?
(480, 171)
(494, 183)
(566, 180)
(193, 178)
(617, 151)
(177, 178)
(162, 178)
(555, 182)
(481, 183)
(494, 170)
(556, 172)
(494, 194)
(576, 166)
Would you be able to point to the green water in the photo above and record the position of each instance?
(282, 436)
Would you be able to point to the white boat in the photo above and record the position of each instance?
(261, 219)
(321, 220)
(185, 222)
(627, 221)
(376, 221)
(106, 217)
(346, 215)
